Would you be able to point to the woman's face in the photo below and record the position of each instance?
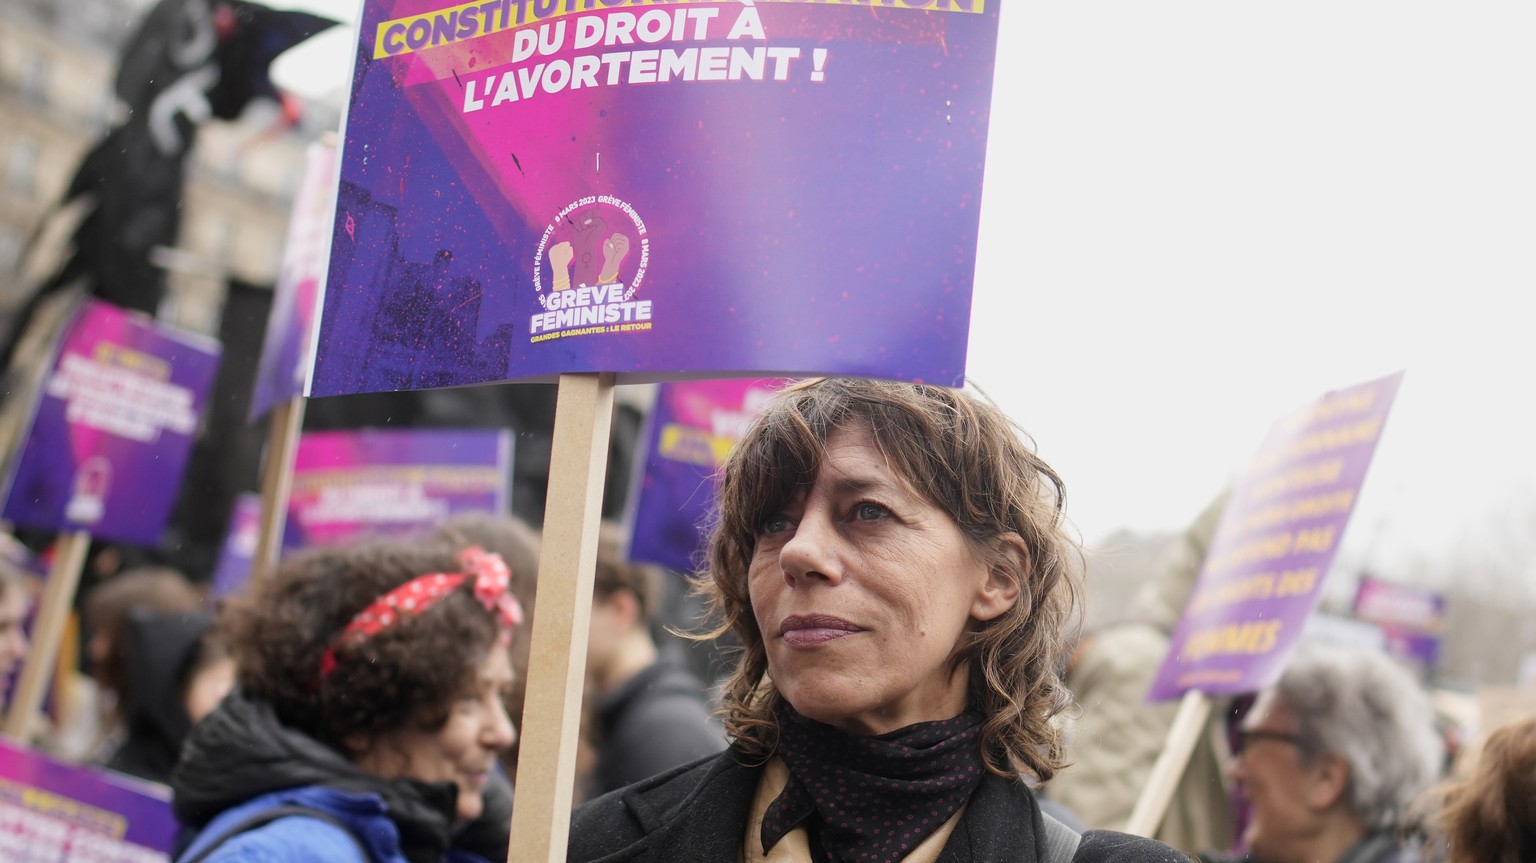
(862, 590)
(464, 750)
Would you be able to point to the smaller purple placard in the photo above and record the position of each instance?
(113, 427)
(55, 811)
(1411, 617)
(350, 483)
(693, 426)
(284, 362)
(239, 549)
(1278, 537)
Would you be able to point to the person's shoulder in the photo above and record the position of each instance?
(710, 789)
(659, 793)
(1110, 846)
(299, 826)
(291, 839)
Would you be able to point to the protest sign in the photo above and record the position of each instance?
(113, 427)
(536, 188)
(1410, 617)
(238, 552)
(284, 361)
(1278, 536)
(372, 481)
(61, 813)
(1264, 571)
(693, 426)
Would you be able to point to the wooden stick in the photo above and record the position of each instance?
(1188, 726)
(546, 762)
(47, 632)
(284, 427)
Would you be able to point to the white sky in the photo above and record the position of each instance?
(1200, 215)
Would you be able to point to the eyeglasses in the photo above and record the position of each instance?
(1246, 736)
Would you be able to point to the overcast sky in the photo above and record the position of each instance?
(1200, 215)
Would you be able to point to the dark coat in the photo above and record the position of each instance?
(655, 721)
(159, 651)
(699, 812)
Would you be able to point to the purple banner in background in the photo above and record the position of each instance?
(1412, 618)
(113, 427)
(693, 426)
(239, 548)
(1278, 536)
(285, 348)
(51, 811)
(350, 483)
(702, 189)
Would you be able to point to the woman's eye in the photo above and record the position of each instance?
(774, 524)
(868, 511)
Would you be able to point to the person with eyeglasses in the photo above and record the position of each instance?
(1331, 758)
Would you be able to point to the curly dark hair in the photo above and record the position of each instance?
(965, 456)
(406, 675)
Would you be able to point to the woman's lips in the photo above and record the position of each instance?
(811, 630)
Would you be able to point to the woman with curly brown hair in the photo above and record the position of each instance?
(367, 715)
(891, 556)
(1490, 815)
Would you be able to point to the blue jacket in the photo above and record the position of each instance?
(298, 839)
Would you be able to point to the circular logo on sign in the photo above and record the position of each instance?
(595, 241)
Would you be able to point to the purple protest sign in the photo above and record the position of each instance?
(284, 359)
(113, 427)
(693, 426)
(350, 483)
(707, 189)
(239, 548)
(59, 812)
(1265, 568)
(1412, 618)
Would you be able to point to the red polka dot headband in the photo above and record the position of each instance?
(492, 583)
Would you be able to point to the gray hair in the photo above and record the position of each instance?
(1364, 707)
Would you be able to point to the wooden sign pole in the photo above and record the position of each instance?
(47, 632)
(546, 763)
(283, 431)
(1188, 725)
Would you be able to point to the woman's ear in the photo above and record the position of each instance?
(1330, 781)
(1007, 563)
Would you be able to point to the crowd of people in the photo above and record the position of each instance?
(891, 564)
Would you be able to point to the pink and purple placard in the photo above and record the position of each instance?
(1412, 618)
(693, 426)
(113, 427)
(696, 189)
(50, 810)
(238, 550)
(284, 361)
(1264, 572)
(347, 484)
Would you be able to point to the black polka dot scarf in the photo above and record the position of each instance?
(872, 799)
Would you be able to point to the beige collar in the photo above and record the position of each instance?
(795, 847)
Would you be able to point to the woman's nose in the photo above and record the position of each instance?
(499, 732)
(1235, 769)
(811, 554)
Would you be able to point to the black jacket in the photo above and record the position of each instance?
(699, 813)
(158, 652)
(655, 721)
